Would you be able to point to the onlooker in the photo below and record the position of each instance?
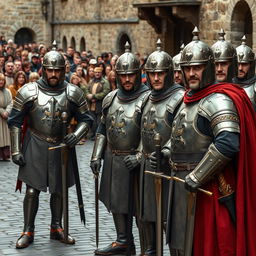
(108, 68)
(5, 109)
(19, 80)
(35, 63)
(24, 56)
(2, 61)
(26, 68)
(68, 73)
(90, 73)
(33, 77)
(17, 65)
(80, 73)
(96, 90)
(9, 73)
(112, 80)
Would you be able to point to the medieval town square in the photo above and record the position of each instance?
(127, 127)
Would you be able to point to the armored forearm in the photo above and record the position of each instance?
(211, 164)
(99, 146)
(15, 133)
(81, 130)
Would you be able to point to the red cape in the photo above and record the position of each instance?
(215, 234)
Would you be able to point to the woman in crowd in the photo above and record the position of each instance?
(80, 73)
(5, 109)
(19, 80)
(112, 80)
(90, 73)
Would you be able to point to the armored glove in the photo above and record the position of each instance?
(165, 154)
(19, 159)
(95, 166)
(132, 161)
(191, 185)
(70, 140)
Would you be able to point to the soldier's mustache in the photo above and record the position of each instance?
(193, 78)
(54, 77)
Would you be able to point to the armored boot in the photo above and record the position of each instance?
(120, 246)
(30, 207)
(57, 232)
(150, 233)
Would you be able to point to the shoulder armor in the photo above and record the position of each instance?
(75, 94)
(108, 99)
(254, 87)
(26, 93)
(220, 110)
(175, 100)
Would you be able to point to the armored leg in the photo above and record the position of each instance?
(57, 232)
(120, 245)
(150, 235)
(30, 207)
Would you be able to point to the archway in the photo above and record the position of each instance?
(73, 43)
(123, 38)
(64, 44)
(24, 36)
(82, 44)
(241, 23)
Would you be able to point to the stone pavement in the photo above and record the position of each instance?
(11, 216)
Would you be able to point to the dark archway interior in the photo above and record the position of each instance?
(82, 44)
(122, 41)
(241, 24)
(24, 36)
(64, 43)
(73, 43)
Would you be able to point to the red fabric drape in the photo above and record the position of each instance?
(215, 234)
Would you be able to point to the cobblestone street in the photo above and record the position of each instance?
(11, 216)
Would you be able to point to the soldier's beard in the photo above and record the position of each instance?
(53, 81)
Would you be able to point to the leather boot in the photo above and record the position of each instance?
(30, 207)
(57, 232)
(150, 232)
(120, 246)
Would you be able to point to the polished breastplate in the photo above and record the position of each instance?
(154, 120)
(251, 93)
(188, 144)
(45, 118)
(122, 123)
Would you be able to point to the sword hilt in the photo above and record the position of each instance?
(158, 140)
(64, 118)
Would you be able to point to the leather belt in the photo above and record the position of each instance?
(119, 152)
(182, 166)
(53, 140)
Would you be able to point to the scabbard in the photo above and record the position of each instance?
(96, 181)
(78, 184)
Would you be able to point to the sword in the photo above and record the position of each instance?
(96, 181)
(64, 164)
(158, 187)
(160, 175)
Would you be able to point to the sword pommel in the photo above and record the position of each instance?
(64, 117)
(158, 139)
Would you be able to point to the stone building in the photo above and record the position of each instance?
(105, 25)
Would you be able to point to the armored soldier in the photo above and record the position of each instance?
(157, 117)
(246, 70)
(178, 79)
(208, 133)
(42, 103)
(224, 59)
(117, 142)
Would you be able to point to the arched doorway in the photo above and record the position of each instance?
(73, 43)
(123, 38)
(82, 44)
(24, 36)
(64, 44)
(241, 23)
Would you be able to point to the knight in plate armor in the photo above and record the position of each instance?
(117, 143)
(208, 149)
(178, 78)
(246, 70)
(157, 118)
(38, 108)
(225, 59)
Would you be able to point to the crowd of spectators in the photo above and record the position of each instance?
(20, 64)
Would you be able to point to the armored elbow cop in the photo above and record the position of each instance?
(211, 164)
